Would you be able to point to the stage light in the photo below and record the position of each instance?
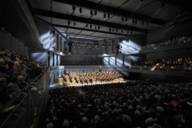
(130, 47)
(108, 15)
(91, 12)
(143, 22)
(69, 22)
(162, 4)
(73, 8)
(104, 15)
(95, 12)
(126, 19)
(61, 53)
(122, 19)
(40, 57)
(80, 10)
(112, 61)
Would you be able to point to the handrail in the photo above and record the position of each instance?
(22, 100)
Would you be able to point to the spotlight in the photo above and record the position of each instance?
(80, 10)
(122, 19)
(135, 21)
(91, 12)
(126, 19)
(104, 15)
(69, 22)
(73, 7)
(95, 12)
(108, 15)
(162, 4)
(143, 22)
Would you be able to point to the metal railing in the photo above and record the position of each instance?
(28, 111)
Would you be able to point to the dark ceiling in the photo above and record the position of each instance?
(104, 19)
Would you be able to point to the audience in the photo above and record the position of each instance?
(16, 73)
(136, 104)
(171, 64)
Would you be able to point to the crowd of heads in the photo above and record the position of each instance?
(16, 72)
(171, 64)
(137, 104)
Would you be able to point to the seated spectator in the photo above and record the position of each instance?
(137, 104)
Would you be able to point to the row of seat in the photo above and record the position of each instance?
(171, 64)
(137, 104)
(17, 76)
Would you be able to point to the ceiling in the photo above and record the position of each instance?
(105, 19)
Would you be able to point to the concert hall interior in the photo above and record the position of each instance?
(95, 64)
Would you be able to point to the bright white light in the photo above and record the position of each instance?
(40, 57)
(61, 53)
(48, 41)
(112, 61)
(129, 47)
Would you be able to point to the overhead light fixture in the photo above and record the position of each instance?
(80, 10)
(108, 15)
(73, 8)
(162, 4)
(143, 22)
(91, 12)
(126, 19)
(104, 15)
(135, 21)
(122, 19)
(95, 12)
(69, 22)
